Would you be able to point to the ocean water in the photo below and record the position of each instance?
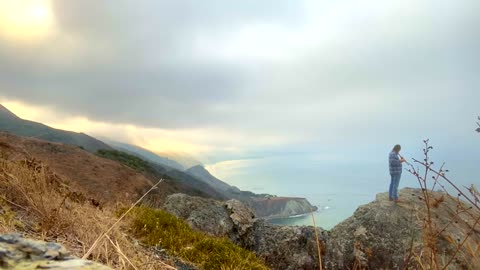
(336, 186)
(332, 209)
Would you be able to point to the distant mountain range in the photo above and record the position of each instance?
(145, 154)
(195, 180)
(11, 123)
(203, 175)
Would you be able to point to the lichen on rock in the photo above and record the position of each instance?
(17, 252)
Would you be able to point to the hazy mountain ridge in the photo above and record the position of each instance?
(185, 159)
(195, 181)
(9, 122)
(104, 179)
(202, 174)
(145, 154)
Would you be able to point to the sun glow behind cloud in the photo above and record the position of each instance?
(197, 143)
(26, 20)
(157, 140)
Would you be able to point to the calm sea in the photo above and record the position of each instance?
(336, 187)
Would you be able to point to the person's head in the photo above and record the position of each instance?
(397, 148)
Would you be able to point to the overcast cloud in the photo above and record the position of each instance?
(303, 72)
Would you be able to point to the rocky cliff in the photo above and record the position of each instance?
(21, 253)
(379, 235)
(281, 207)
(382, 234)
(281, 247)
(264, 205)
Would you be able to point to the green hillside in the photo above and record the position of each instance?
(9, 122)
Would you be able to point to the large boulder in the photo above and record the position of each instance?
(287, 247)
(17, 252)
(231, 219)
(201, 214)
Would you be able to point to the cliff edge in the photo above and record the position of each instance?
(382, 234)
(281, 207)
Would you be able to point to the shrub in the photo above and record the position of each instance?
(131, 161)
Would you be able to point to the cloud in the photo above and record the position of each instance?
(244, 74)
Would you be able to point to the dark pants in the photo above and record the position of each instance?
(393, 192)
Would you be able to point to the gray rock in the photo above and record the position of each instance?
(286, 247)
(280, 207)
(17, 252)
(380, 234)
(201, 214)
(282, 247)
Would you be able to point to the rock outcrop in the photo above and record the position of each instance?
(263, 205)
(282, 247)
(286, 247)
(281, 207)
(381, 234)
(21, 253)
(201, 214)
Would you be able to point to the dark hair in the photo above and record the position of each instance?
(397, 148)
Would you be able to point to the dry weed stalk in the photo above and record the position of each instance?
(318, 242)
(41, 208)
(118, 220)
(429, 256)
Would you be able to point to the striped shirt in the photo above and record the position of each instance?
(395, 164)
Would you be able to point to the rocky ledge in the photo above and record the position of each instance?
(282, 247)
(382, 234)
(280, 207)
(17, 252)
(379, 235)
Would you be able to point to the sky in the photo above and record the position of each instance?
(236, 81)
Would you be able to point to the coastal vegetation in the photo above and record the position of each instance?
(129, 160)
(159, 228)
(38, 204)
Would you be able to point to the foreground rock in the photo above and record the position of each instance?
(381, 234)
(286, 247)
(21, 253)
(282, 247)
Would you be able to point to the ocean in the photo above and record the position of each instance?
(336, 187)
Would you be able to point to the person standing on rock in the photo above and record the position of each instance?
(395, 165)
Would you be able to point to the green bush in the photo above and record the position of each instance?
(159, 228)
(131, 161)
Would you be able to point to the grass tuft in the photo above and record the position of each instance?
(37, 204)
(159, 228)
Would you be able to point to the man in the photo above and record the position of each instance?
(395, 164)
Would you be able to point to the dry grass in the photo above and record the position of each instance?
(36, 203)
(458, 227)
